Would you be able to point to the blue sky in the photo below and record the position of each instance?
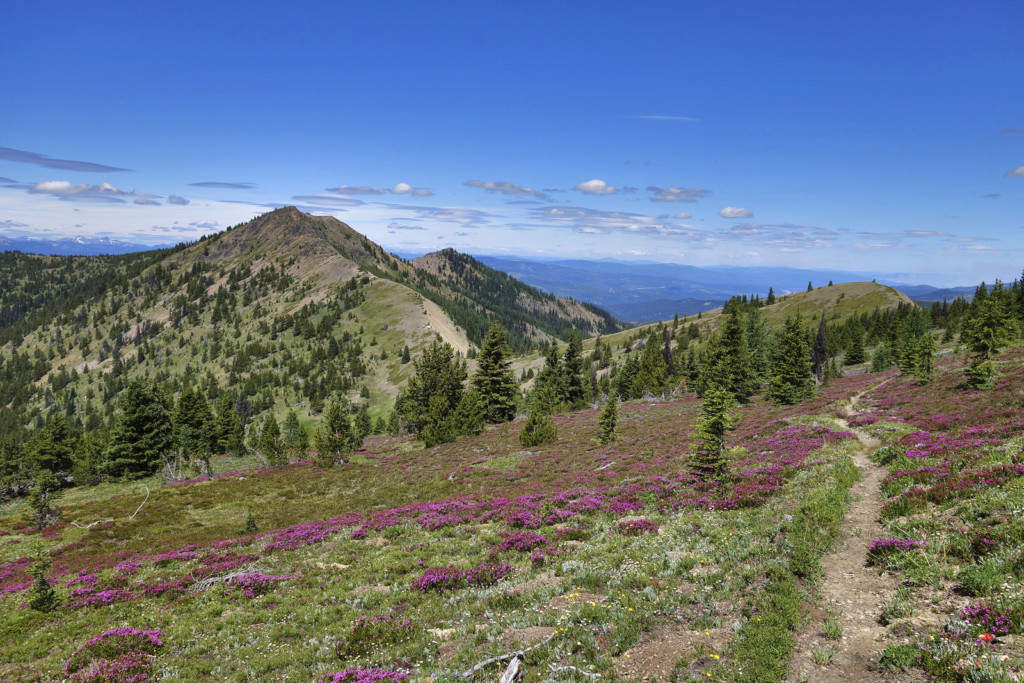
(881, 137)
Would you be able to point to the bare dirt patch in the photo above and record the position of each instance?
(659, 650)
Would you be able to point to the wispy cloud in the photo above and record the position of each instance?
(677, 194)
(406, 188)
(7, 180)
(683, 216)
(594, 222)
(506, 188)
(146, 201)
(223, 186)
(11, 225)
(990, 195)
(663, 117)
(392, 227)
(179, 201)
(23, 157)
(469, 218)
(350, 190)
(327, 200)
(1012, 131)
(735, 212)
(1015, 173)
(595, 186)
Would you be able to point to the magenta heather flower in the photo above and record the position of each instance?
(369, 633)
(637, 526)
(523, 542)
(251, 585)
(363, 676)
(883, 547)
(452, 578)
(110, 652)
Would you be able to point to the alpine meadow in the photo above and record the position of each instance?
(563, 342)
(281, 453)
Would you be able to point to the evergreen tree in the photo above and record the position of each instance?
(43, 597)
(715, 419)
(361, 426)
(143, 435)
(550, 376)
(268, 443)
(334, 438)
(405, 354)
(819, 352)
(809, 287)
(292, 434)
(87, 461)
(194, 428)
(791, 380)
(727, 363)
(574, 384)
(985, 329)
(625, 378)
(438, 373)
(227, 427)
(539, 428)
(855, 353)
(440, 424)
(51, 448)
(471, 414)
(771, 297)
(924, 355)
(881, 359)
(652, 378)
(607, 419)
(494, 379)
(42, 499)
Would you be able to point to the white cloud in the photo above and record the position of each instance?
(1015, 173)
(348, 189)
(595, 186)
(683, 216)
(176, 200)
(735, 212)
(505, 188)
(63, 187)
(677, 194)
(146, 201)
(406, 188)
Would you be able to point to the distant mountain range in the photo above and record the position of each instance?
(72, 246)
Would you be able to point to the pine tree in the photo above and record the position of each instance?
(405, 354)
(334, 438)
(652, 378)
(924, 358)
(771, 297)
(985, 329)
(438, 373)
(728, 362)
(42, 499)
(87, 461)
(440, 424)
(471, 414)
(791, 380)
(361, 426)
(574, 384)
(881, 359)
(143, 435)
(292, 433)
(855, 353)
(539, 428)
(43, 597)
(194, 428)
(809, 287)
(715, 419)
(52, 447)
(819, 352)
(268, 443)
(494, 379)
(607, 419)
(228, 427)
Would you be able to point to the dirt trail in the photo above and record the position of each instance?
(852, 591)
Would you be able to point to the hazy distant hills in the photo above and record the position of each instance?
(72, 246)
(644, 292)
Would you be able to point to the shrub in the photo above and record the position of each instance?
(637, 527)
(523, 542)
(979, 580)
(363, 676)
(452, 578)
(43, 597)
(898, 656)
(120, 655)
(370, 633)
(882, 548)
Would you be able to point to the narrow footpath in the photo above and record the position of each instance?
(850, 590)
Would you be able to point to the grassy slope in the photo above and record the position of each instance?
(604, 596)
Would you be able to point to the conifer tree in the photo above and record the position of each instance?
(43, 597)
(791, 380)
(438, 374)
(52, 447)
(539, 428)
(494, 379)
(440, 424)
(652, 376)
(334, 438)
(855, 353)
(361, 426)
(268, 443)
(574, 386)
(819, 352)
(471, 414)
(194, 428)
(728, 359)
(405, 354)
(771, 297)
(292, 434)
(228, 427)
(143, 435)
(881, 359)
(715, 419)
(87, 461)
(985, 329)
(42, 499)
(924, 355)
(607, 419)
